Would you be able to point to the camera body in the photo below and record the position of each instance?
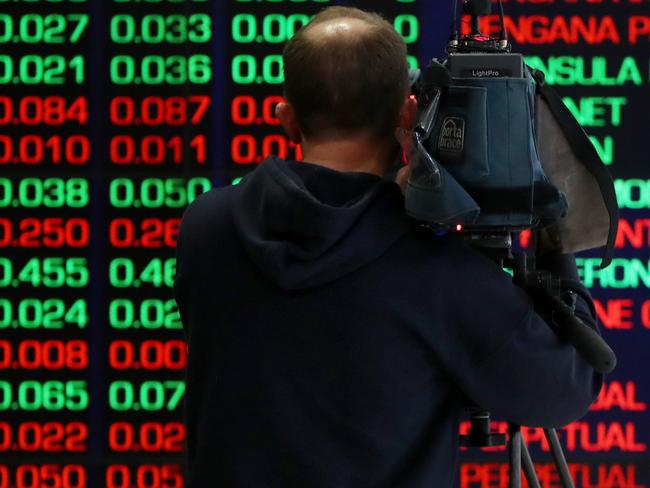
(474, 157)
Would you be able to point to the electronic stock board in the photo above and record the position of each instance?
(116, 114)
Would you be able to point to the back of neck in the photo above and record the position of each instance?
(359, 155)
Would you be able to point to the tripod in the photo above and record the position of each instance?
(586, 341)
(518, 455)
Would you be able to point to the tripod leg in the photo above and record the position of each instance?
(558, 458)
(514, 452)
(529, 467)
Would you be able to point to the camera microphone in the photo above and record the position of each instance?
(477, 7)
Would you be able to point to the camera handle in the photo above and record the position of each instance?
(589, 344)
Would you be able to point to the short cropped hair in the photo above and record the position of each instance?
(349, 83)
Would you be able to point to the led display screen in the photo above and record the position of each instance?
(115, 115)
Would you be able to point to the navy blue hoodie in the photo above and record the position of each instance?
(332, 343)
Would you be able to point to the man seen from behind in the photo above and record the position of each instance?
(332, 342)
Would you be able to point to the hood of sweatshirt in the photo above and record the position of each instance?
(305, 225)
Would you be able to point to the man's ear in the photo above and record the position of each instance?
(407, 118)
(408, 113)
(287, 116)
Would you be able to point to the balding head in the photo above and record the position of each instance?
(347, 29)
(346, 73)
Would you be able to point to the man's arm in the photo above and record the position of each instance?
(512, 362)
